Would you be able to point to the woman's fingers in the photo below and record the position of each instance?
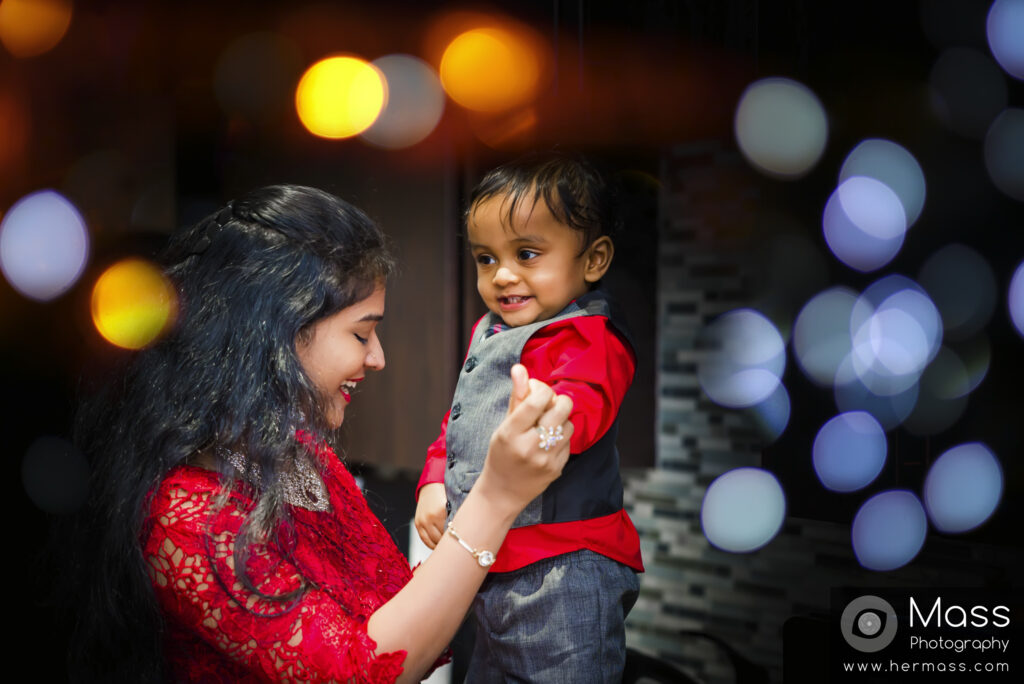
(520, 386)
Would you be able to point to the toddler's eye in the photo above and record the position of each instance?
(485, 259)
(527, 254)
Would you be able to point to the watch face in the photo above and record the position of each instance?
(485, 558)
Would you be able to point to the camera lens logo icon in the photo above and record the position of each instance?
(868, 624)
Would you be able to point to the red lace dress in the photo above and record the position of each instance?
(217, 631)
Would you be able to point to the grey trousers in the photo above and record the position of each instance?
(559, 620)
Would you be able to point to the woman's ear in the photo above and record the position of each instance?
(598, 258)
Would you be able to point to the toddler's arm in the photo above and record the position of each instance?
(586, 360)
(431, 513)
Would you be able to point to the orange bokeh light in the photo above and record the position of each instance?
(339, 97)
(133, 304)
(491, 68)
(32, 27)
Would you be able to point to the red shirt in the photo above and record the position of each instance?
(585, 359)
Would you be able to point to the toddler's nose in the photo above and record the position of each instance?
(503, 276)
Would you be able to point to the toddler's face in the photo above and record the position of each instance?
(531, 270)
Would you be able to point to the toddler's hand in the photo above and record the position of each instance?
(431, 513)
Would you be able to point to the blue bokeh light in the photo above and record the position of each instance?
(889, 530)
(893, 165)
(1015, 299)
(1004, 153)
(849, 451)
(864, 223)
(743, 510)
(1004, 28)
(963, 488)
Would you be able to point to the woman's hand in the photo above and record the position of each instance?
(518, 469)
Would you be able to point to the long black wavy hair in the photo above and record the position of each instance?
(251, 279)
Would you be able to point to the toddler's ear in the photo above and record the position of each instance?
(598, 258)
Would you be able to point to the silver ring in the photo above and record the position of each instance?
(549, 437)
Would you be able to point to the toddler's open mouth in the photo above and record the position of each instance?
(509, 302)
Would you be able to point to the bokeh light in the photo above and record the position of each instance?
(963, 287)
(1015, 299)
(133, 303)
(44, 245)
(942, 395)
(976, 355)
(743, 510)
(821, 335)
(849, 451)
(963, 488)
(896, 331)
(771, 416)
(490, 69)
(851, 394)
(1004, 28)
(889, 530)
(744, 361)
(1004, 153)
(255, 74)
(967, 91)
(415, 103)
(864, 223)
(32, 27)
(339, 97)
(55, 475)
(780, 127)
(893, 165)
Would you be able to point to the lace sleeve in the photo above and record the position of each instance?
(191, 565)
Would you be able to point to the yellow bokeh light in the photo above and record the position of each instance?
(490, 69)
(132, 303)
(32, 27)
(339, 97)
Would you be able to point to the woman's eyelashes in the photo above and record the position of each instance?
(362, 340)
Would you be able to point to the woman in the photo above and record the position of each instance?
(230, 537)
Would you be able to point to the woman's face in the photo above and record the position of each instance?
(339, 351)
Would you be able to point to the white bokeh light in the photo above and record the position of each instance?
(745, 359)
(743, 510)
(821, 335)
(781, 127)
(864, 223)
(414, 106)
(893, 165)
(44, 245)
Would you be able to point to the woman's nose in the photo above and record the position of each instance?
(375, 355)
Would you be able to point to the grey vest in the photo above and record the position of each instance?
(589, 487)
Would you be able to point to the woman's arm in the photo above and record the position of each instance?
(422, 618)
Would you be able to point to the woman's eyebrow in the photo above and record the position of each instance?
(371, 317)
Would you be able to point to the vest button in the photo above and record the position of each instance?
(448, 507)
(470, 364)
(456, 412)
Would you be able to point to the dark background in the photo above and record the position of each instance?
(124, 107)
